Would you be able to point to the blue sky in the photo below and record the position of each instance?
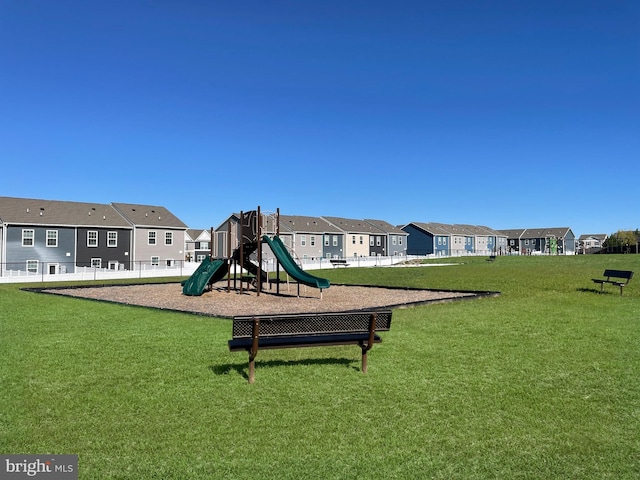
(501, 113)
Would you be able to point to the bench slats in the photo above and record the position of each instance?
(326, 323)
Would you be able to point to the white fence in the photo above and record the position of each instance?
(185, 269)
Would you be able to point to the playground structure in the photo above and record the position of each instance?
(239, 258)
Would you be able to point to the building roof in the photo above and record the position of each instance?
(432, 228)
(351, 225)
(513, 233)
(559, 232)
(303, 224)
(198, 234)
(29, 211)
(386, 227)
(149, 216)
(598, 236)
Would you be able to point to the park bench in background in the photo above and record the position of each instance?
(252, 333)
(339, 262)
(614, 277)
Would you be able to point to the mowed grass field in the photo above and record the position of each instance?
(542, 382)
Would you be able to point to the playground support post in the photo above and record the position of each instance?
(277, 229)
(259, 241)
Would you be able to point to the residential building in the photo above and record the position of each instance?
(50, 236)
(198, 244)
(159, 237)
(541, 241)
(356, 235)
(391, 242)
(591, 242)
(427, 239)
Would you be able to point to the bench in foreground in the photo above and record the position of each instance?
(619, 278)
(252, 333)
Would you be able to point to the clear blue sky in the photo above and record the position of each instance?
(502, 113)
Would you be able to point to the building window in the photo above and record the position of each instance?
(28, 238)
(378, 241)
(371, 241)
(303, 240)
(155, 260)
(361, 240)
(312, 240)
(439, 240)
(353, 239)
(32, 266)
(92, 238)
(52, 238)
(335, 240)
(393, 240)
(399, 240)
(168, 238)
(444, 241)
(96, 262)
(112, 239)
(326, 240)
(151, 236)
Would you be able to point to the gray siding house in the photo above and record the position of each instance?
(309, 236)
(159, 237)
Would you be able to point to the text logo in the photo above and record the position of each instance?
(46, 467)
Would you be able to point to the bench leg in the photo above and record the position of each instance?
(255, 334)
(372, 333)
(252, 369)
(364, 360)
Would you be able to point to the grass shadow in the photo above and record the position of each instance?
(242, 369)
(593, 290)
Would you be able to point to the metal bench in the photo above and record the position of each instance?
(619, 278)
(252, 333)
(339, 262)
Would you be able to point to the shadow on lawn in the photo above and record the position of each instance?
(595, 290)
(243, 368)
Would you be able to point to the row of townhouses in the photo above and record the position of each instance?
(49, 237)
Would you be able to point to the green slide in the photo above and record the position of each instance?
(209, 271)
(291, 267)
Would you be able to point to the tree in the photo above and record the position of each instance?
(622, 241)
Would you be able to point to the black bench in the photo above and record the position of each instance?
(491, 258)
(339, 262)
(615, 277)
(252, 333)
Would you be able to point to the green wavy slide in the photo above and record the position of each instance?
(291, 267)
(209, 271)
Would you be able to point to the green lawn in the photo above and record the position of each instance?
(540, 382)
